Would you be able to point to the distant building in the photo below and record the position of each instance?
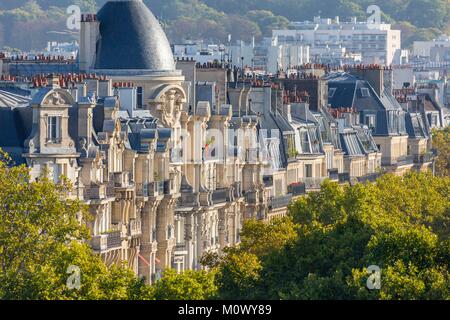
(200, 52)
(424, 48)
(377, 43)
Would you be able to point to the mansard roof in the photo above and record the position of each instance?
(416, 125)
(16, 124)
(10, 99)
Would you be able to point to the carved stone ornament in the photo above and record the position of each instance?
(171, 106)
(55, 99)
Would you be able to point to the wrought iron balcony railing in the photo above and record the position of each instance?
(221, 195)
(135, 227)
(313, 183)
(251, 197)
(280, 201)
(297, 189)
(333, 174)
(114, 240)
(344, 177)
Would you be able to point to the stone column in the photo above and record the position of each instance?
(164, 218)
(147, 245)
(223, 228)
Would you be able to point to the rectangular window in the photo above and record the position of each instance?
(308, 170)
(370, 121)
(304, 139)
(140, 97)
(54, 129)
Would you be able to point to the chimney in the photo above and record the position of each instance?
(105, 88)
(92, 85)
(85, 125)
(89, 35)
(286, 111)
(372, 74)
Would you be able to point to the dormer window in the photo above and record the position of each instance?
(370, 121)
(365, 92)
(54, 129)
(331, 92)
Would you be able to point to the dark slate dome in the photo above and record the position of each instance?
(131, 38)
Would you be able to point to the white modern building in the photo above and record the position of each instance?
(423, 48)
(377, 43)
(268, 55)
(200, 52)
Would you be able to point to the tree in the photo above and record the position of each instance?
(41, 237)
(441, 142)
(238, 270)
(241, 28)
(267, 21)
(398, 223)
(189, 285)
(239, 276)
(43, 250)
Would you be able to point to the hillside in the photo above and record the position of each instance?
(213, 20)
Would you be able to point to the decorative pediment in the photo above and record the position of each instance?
(56, 99)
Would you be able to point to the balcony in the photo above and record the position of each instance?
(405, 160)
(313, 183)
(135, 227)
(297, 189)
(156, 188)
(143, 190)
(251, 197)
(371, 177)
(114, 240)
(425, 158)
(333, 174)
(110, 192)
(181, 248)
(344, 177)
(99, 243)
(122, 179)
(191, 199)
(280, 201)
(107, 241)
(221, 196)
(400, 161)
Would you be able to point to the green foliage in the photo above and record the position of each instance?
(441, 142)
(42, 234)
(239, 275)
(190, 285)
(397, 223)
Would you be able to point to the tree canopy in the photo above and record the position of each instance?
(399, 224)
(441, 143)
(44, 249)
